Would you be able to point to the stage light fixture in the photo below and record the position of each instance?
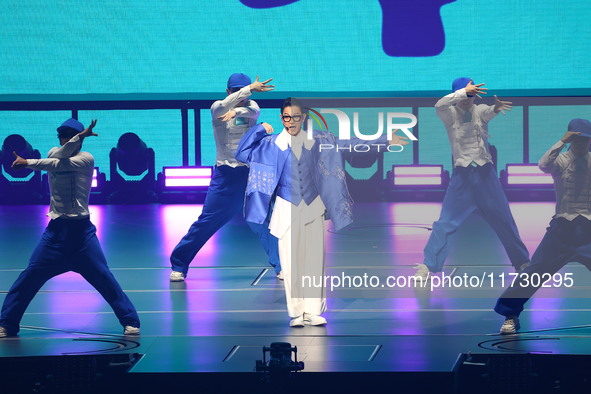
(189, 177)
(280, 360)
(418, 175)
(525, 175)
(94, 184)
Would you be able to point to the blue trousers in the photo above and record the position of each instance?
(66, 245)
(225, 198)
(474, 189)
(564, 241)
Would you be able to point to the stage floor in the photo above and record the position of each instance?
(231, 304)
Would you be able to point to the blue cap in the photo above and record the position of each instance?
(582, 126)
(238, 80)
(460, 83)
(70, 124)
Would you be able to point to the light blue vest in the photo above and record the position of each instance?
(297, 182)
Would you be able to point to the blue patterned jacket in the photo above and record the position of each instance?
(267, 155)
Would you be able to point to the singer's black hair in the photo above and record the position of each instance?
(293, 102)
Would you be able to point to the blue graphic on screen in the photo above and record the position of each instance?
(413, 28)
(266, 3)
(410, 28)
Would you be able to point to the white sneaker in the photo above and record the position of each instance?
(280, 275)
(422, 273)
(314, 320)
(297, 321)
(510, 326)
(3, 332)
(176, 276)
(131, 330)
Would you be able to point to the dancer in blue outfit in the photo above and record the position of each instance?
(231, 118)
(69, 242)
(474, 185)
(568, 237)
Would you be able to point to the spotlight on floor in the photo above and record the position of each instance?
(280, 366)
(279, 358)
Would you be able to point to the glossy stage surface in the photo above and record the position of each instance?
(231, 304)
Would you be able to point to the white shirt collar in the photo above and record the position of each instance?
(284, 140)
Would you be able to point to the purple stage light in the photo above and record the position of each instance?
(527, 174)
(187, 176)
(94, 183)
(418, 175)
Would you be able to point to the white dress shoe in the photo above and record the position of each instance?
(297, 321)
(314, 320)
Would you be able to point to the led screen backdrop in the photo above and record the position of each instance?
(317, 47)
